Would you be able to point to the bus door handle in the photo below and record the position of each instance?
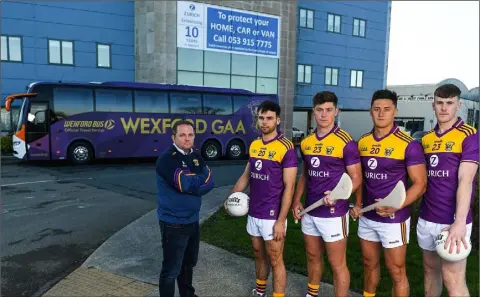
(156, 140)
(121, 141)
(59, 131)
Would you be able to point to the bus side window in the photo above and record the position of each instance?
(183, 102)
(239, 102)
(113, 100)
(151, 101)
(68, 101)
(216, 104)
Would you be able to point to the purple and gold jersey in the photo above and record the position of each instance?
(443, 153)
(267, 160)
(326, 159)
(384, 163)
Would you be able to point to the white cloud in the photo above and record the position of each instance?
(434, 40)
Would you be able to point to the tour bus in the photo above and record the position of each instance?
(96, 120)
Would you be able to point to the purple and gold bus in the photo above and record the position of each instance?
(85, 121)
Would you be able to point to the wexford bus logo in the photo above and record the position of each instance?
(253, 109)
(109, 124)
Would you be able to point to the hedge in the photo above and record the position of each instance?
(6, 144)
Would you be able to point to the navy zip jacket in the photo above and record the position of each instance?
(182, 180)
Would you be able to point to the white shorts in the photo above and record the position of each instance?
(261, 227)
(330, 229)
(428, 231)
(391, 235)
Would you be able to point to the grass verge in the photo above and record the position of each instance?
(229, 233)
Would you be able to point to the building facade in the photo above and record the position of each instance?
(294, 49)
(415, 110)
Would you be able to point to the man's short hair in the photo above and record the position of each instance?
(384, 94)
(325, 96)
(181, 122)
(269, 105)
(447, 91)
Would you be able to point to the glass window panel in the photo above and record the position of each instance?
(15, 48)
(362, 28)
(188, 103)
(334, 76)
(151, 101)
(328, 75)
(308, 74)
(300, 73)
(353, 78)
(267, 85)
(337, 23)
(103, 55)
(310, 19)
(267, 67)
(67, 52)
(217, 62)
(216, 80)
(243, 64)
(190, 78)
(303, 17)
(239, 102)
(217, 104)
(113, 100)
(190, 59)
(243, 82)
(4, 48)
(330, 22)
(70, 101)
(54, 51)
(355, 27)
(6, 121)
(359, 79)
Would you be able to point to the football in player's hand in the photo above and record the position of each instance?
(237, 204)
(444, 253)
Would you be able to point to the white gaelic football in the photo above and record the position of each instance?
(237, 204)
(444, 253)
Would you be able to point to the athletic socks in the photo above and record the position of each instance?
(278, 294)
(312, 290)
(366, 294)
(261, 286)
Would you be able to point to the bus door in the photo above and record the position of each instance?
(37, 132)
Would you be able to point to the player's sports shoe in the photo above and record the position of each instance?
(256, 293)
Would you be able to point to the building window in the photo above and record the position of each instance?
(104, 57)
(60, 52)
(356, 78)
(11, 48)
(334, 23)
(306, 18)
(470, 114)
(359, 27)
(227, 70)
(331, 76)
(304, 74)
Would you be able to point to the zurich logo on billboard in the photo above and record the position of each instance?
(192, 7)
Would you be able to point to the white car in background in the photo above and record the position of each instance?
(297, 134)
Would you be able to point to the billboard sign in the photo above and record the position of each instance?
(215, 28)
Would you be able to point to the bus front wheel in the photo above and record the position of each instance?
(80, 153)
(211, 150)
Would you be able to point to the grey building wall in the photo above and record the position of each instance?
(156, 43)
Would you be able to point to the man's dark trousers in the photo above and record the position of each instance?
(180, 243)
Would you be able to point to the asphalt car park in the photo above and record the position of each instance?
(56, 214)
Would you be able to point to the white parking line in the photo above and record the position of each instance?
(44, 181)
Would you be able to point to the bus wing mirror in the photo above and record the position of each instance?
(8, 104)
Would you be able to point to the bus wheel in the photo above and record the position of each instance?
(235, 150)
(211, 150)
(80, 153)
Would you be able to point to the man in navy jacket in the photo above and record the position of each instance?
(182, 180)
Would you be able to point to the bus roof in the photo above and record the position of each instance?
(156, 86)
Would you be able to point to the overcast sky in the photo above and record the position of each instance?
(434, 40)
